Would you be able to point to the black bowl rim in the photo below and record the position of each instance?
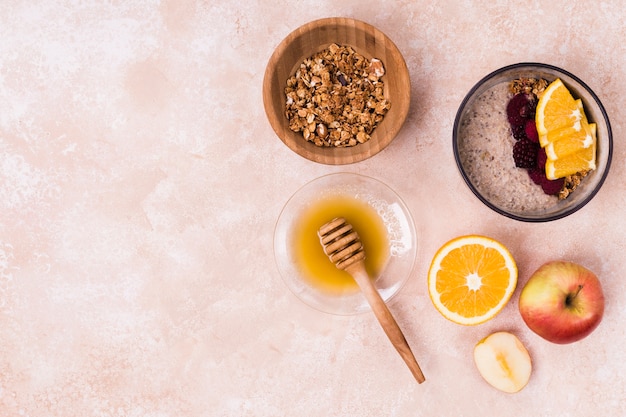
(457, 158)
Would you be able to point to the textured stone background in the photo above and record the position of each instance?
(140, 183)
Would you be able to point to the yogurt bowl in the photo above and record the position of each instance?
(483, 143)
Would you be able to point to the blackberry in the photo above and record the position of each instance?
(525, 153)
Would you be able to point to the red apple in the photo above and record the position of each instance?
(562, 302)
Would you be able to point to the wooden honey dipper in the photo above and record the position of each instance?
(343, 247)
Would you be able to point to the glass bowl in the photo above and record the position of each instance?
(507, 198)
(398, 225)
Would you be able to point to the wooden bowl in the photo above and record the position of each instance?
(317, 36)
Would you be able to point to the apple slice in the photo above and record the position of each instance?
(503, 361)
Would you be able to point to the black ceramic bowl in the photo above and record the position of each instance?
(507, 197)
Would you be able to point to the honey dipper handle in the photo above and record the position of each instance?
(386, 320)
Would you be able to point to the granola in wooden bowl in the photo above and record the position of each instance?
(336, 91)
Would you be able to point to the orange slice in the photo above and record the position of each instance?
(571, 164)
(562, 144)
(471, 278)
(556, 109)
(565, 132)
(582, 160)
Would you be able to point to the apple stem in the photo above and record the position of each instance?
(570, 298)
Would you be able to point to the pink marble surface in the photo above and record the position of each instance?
(140, 182)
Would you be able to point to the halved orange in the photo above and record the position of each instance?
(556, 109)
(471, 278)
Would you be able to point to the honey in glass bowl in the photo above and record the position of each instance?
(309, 254)
(377, 214)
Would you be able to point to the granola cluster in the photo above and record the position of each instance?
(530, 86)
(571, 183)
(336, 97)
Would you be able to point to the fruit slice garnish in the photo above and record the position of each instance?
(571, 141)
(471, 278)
(556, 109)
(503, 361)
(570, 164)
(564, 132)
